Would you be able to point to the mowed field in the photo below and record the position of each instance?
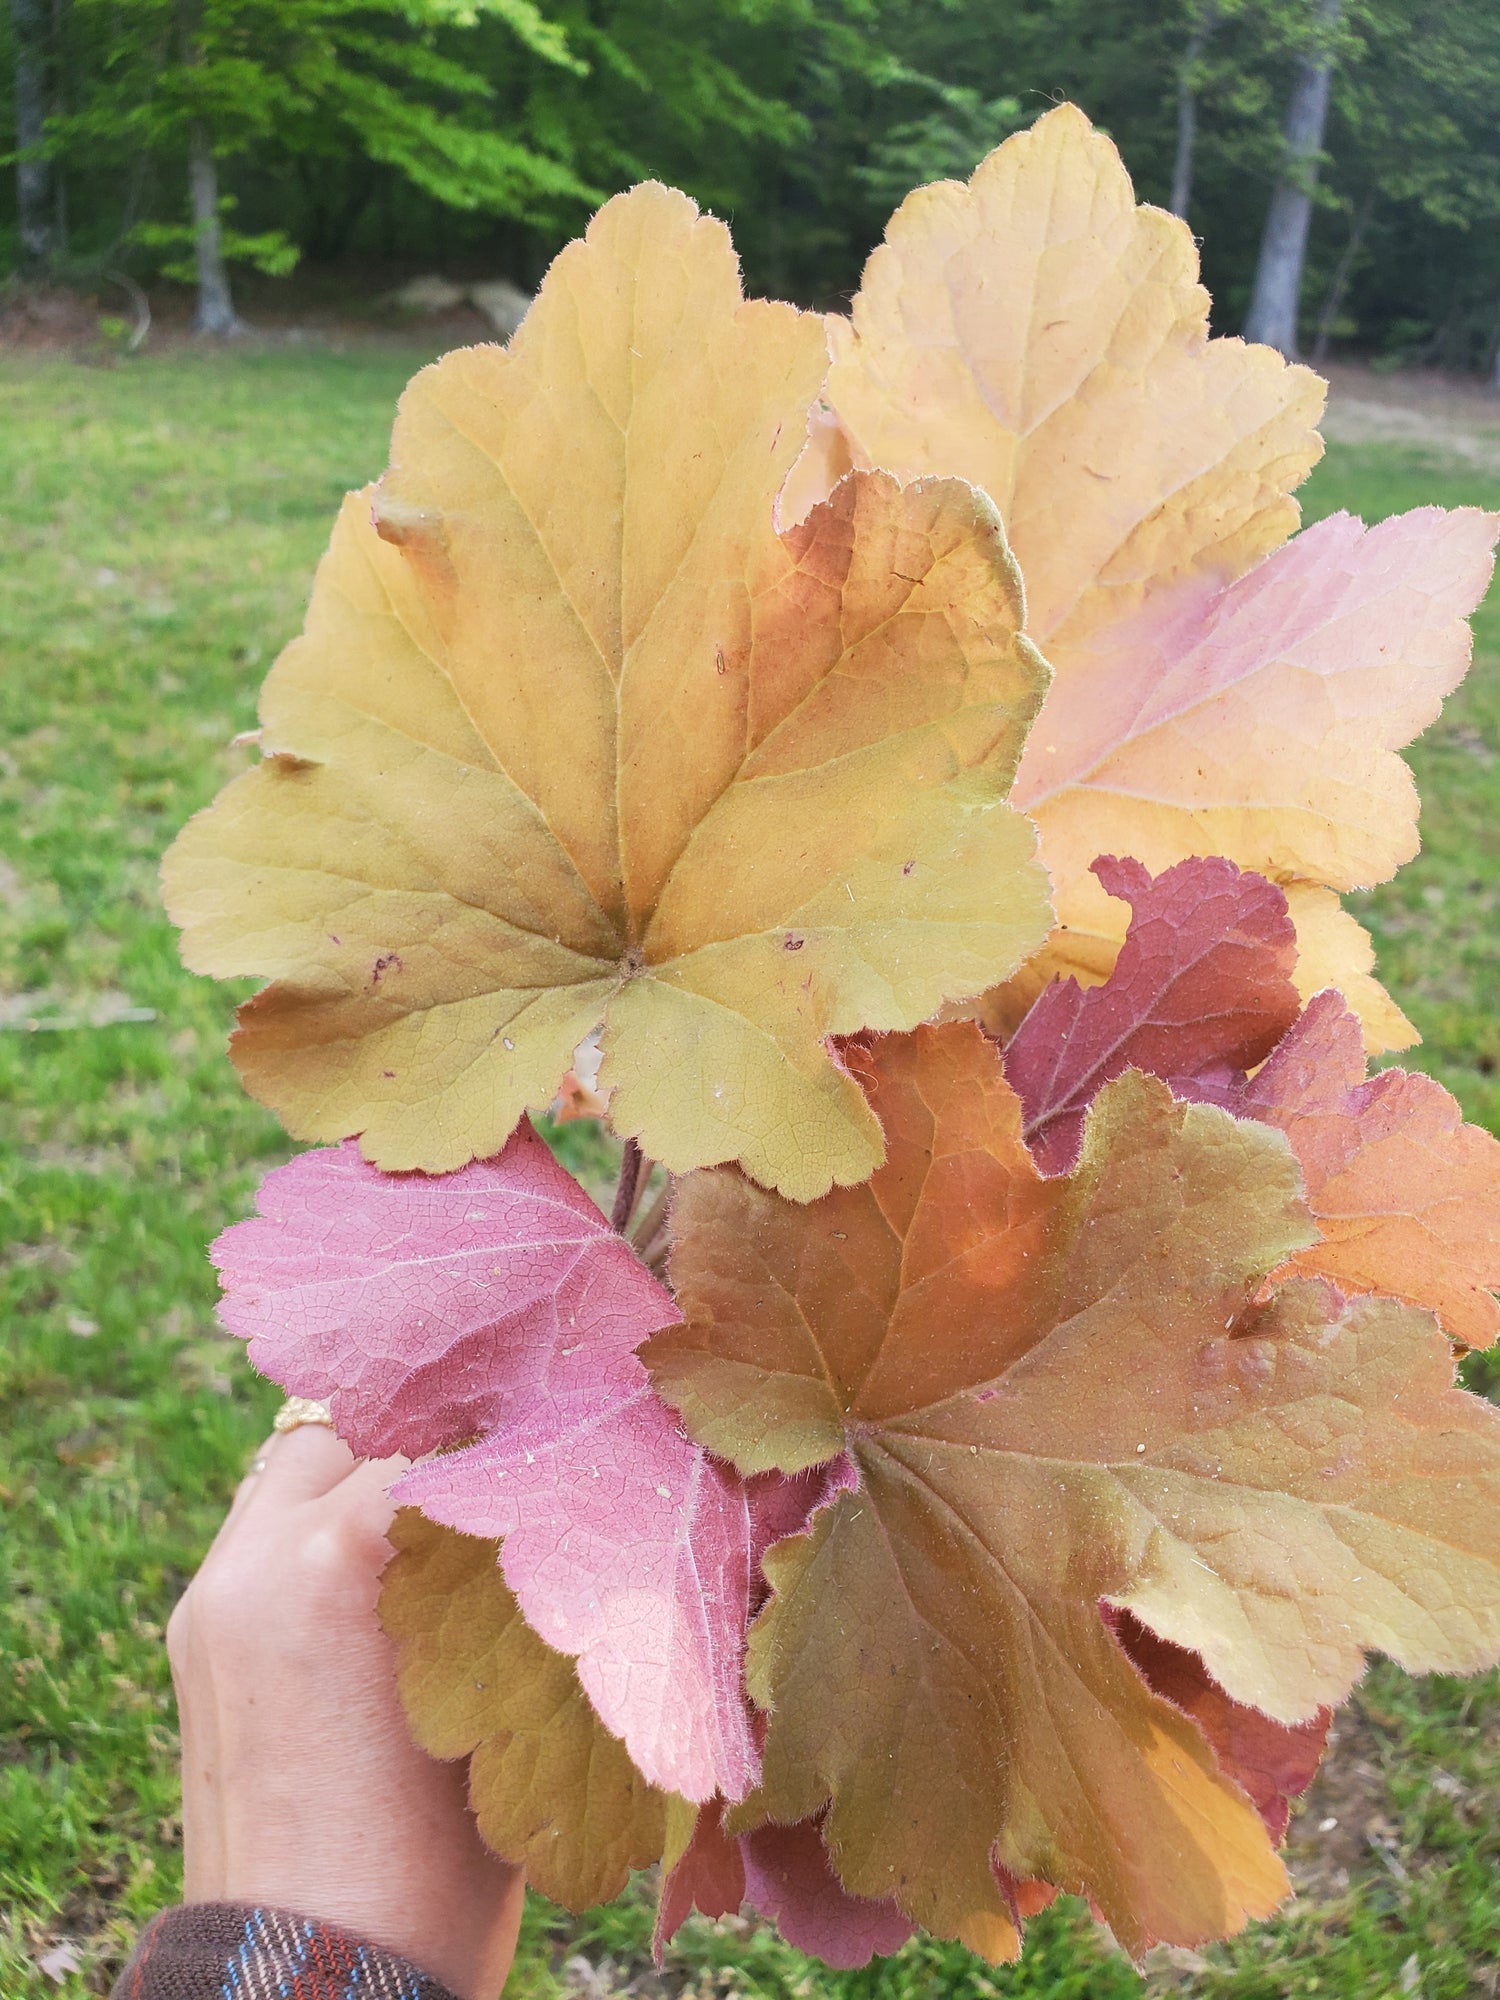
(160, 525)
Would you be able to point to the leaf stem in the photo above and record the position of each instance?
(648, 1223)
(631, 1162)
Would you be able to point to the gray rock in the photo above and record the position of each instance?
(503, 304)
(428, 294)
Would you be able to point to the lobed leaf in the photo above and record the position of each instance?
(1056, 1392)
(491, 1315)
(1038, 334)
(549, 1787)
(1261, 721)
(573, 735)
(1202, 987)
(1405, 1195)
(1274, 1762)
(783, 1872)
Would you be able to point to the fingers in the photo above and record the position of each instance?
(367, 1489)
(298, 1465)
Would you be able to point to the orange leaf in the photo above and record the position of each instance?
(1052, 1393)
(1407, 1196)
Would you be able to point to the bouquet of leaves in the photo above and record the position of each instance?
(1015, 1385)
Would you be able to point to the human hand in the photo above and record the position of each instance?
(301, 1786)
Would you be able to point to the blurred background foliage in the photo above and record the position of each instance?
(361, 138)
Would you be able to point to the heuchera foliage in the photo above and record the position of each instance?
(1039, 1397)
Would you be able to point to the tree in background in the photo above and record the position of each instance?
(33, 181)
(1414, 183)
(1205, 17)
(474, 136)
(1277, 291)
(191, 83)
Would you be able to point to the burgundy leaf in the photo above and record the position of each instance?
(784, 1873)
(1202, 989)
(788, 1879)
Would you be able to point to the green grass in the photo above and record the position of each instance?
(161, 522)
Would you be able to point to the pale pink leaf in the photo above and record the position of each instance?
(627, 1547)
(1264, 717)
(493, 1309)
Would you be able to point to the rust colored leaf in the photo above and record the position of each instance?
(1274, 1762)
(1055, 1392)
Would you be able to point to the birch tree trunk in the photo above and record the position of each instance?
(216, 314)
(1277, 291)
(1206, 20)
(33, 177)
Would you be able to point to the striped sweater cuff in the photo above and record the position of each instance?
(239, 1951)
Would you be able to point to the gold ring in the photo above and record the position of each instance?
(299, 1410)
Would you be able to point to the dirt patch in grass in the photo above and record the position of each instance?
(1456, 415)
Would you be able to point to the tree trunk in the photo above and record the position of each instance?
(62, 78)
(1277, 291)
(33, 177)
(1342, 272)
(1204, 23)
(216, 314)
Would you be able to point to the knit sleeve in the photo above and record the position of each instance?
(239, 1951)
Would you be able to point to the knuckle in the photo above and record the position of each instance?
(328, 1557)
(179, 1632)
(220, 1599)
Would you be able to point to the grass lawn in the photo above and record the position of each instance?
(161, 522)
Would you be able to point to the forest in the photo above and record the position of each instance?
(1338, 159)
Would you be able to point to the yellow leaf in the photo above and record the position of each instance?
(1053, 1392)
(1039, 334)
(573, 735)
(549, 1786)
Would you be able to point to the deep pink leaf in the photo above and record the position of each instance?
(788, 1879)
(495, 1310)
(629, 1548)
(784, 1873)
(1202, 989)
